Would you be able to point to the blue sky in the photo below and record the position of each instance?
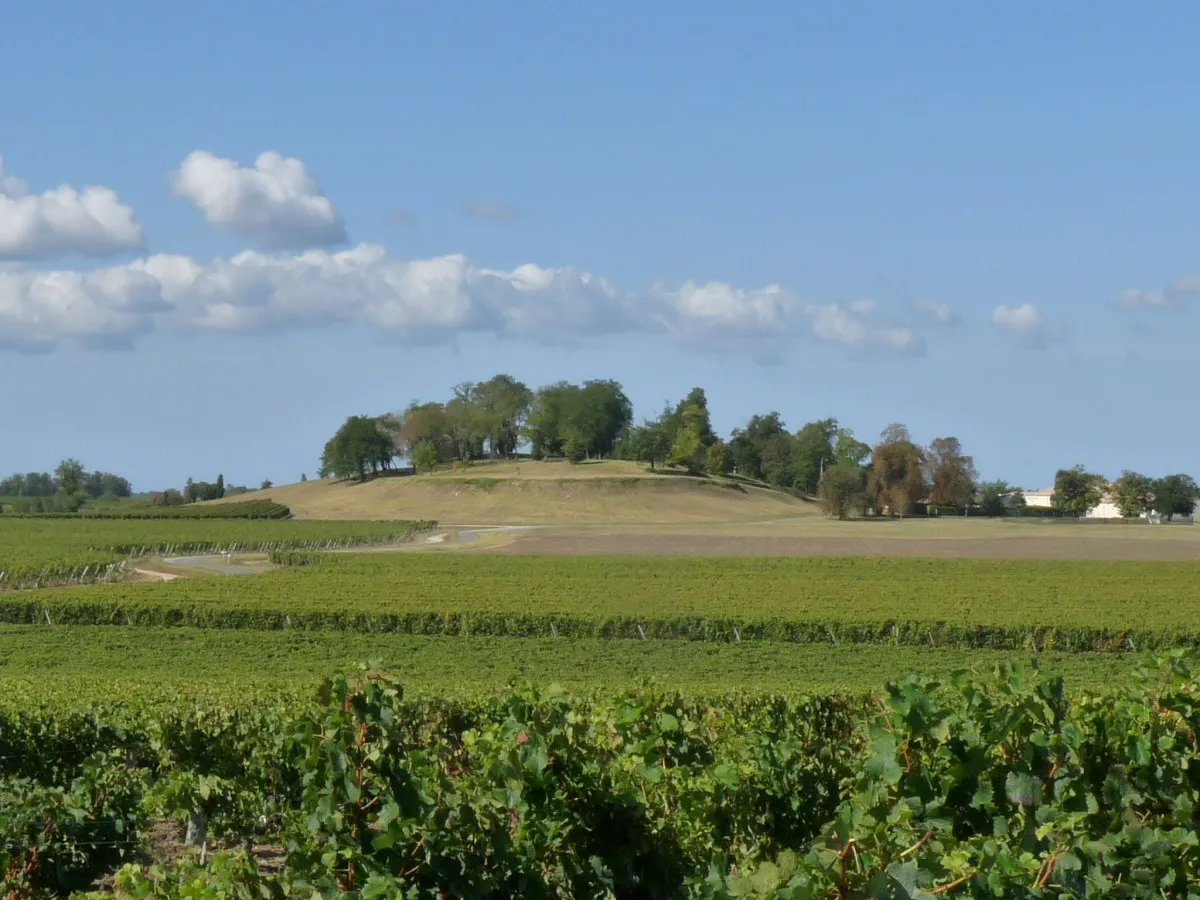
(974, 219)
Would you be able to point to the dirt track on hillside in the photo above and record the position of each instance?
(1066, 548)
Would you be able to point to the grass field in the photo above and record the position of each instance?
(107, 662)
(527, 492)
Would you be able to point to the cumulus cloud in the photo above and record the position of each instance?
(1177, 295)
(937, 312)
(1024, 322)
(855, 328)
(493, 211)
(64, 221)
(419, 301)
(277, 204)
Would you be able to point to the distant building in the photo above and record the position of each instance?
(1105, 509)
(1039, 498)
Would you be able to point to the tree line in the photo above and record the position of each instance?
(1076, 491)
(823, 459)
(66, 490)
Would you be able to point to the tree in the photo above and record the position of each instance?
(991, 497)
(842, 488)
(897, 477)
(266, 485)
(688, 449)
(895, 433)
(951, 473)
(70, 474)
(848, 449)
(1133, 494)
(1175, 495)
(717, 459)
(360, 444)
(813, 451)
(779, 461)
(501, 404)
(646, 443)
(1076, 490)
(303, 478)
(746, 445)
(425, 457)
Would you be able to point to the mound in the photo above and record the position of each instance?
(541, 493)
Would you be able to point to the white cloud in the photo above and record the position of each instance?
(1174, 296)
(63, 221)
(853, 328)
(1025, 321)
(277, 204)
(419, 301)
(937, 312)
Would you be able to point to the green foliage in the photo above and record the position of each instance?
(747, 445)
(235, 509)
(992, 496)
(425, 457)
(981, 785)
(997, 604)
(842, 490)
(578, 421)
(688, 450)
(67, 549)
(1076, 490)
(1176, 495)
(1133, 494)
(812, 451)
(361, 444)
(717, 460)
(848, 449)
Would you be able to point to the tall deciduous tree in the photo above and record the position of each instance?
(896, 480)
(360, 445)
(1133, 493)
(746, 445)
(70, 474)
(717, 459)
(951, 473)
(848, 449)
(813, 451)
(1076, 490)
(842, 489)
(1175, 495)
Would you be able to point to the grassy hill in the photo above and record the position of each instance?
(538, 493)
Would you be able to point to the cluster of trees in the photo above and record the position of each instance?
(66, 490)
(488, 420)
(594, 420)
(1076, 491)
(893, 476)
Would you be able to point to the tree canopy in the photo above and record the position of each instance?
(362, 444)
(1076, 490)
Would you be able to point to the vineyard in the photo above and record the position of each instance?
(999, 786)
(57, 550)
(968, 604)
(233, 509)
(718, 727)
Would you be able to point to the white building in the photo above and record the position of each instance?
(1105, 509)
(1039, 498)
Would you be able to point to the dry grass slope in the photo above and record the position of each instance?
(541, 493)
